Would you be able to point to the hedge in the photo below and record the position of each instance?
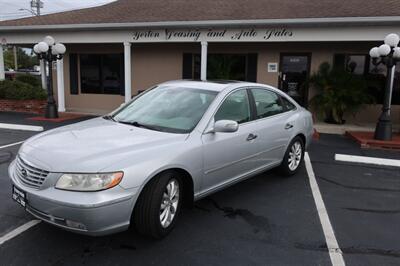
(29, 79)
(17, 90)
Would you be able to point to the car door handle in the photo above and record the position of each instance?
(251, 137)
(288, 126)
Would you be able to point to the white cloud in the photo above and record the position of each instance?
(10, 9)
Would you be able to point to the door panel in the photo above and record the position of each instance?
(228, 155)
(272, 126)
(276, 132)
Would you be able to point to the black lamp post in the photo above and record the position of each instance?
(50, 51)
(387, 54)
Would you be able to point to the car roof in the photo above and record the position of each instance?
(214, 85)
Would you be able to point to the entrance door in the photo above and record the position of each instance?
(294, 71)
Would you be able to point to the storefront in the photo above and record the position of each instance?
(108, 61)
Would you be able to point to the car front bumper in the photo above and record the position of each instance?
(90, 213)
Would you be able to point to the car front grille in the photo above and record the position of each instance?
(30, 175)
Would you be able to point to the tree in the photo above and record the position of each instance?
(24, 59)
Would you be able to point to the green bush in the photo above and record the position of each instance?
(35, 81)
(17, 90)
(338, 92)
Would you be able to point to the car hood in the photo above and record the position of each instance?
(91, 145)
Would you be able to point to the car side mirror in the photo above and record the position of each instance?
(226, 126)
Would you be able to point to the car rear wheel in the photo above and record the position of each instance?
(293, 158)
(158, 206)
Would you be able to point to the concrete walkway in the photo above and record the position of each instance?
(326, 128)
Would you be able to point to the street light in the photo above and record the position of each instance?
(50, 51)
(387, 54)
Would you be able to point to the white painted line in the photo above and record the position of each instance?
(12, 144)
(20, 127)
(367, 160)
(18, 231)
(333, 247)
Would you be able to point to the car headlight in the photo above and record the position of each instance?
(89, 182)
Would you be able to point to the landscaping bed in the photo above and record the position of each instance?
(25, 106)
(22, 95)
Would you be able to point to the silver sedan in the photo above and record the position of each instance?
(171, 145)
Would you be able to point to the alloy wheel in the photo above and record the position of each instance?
(295, 155)
(169, 203)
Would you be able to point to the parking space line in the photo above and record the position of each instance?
(335, 252)
(367, 160)
(20, 127)
(12, 144)
(18, 231)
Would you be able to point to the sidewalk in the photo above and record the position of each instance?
(326, 128)
(26, 119)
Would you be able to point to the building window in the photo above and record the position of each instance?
(102, 73)
(226, 66)
(222, 66)
(354, 63)
(361, 64)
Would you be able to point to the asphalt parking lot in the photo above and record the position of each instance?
(265, 220)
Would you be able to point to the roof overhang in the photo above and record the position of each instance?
(299, 22)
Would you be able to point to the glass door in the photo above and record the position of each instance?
(294, 71)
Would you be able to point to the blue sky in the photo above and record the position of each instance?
(9, 9)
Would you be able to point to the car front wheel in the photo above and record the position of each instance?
(158, 206)
(293, 158)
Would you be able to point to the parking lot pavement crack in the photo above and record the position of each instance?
(373, 211)
(371, 251)
(357, 187)
(258, 222)
(350, 250)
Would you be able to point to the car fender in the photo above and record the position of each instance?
(139, 168)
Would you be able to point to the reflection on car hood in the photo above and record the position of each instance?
(91, 145)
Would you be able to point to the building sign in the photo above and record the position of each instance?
(267, 34)
(212, 35)
(272, 67)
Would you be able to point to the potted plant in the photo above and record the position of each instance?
(338, 92)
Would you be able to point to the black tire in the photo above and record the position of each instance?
(284, 167)
(146, 215)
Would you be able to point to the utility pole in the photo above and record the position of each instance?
(38, 4)
(15, 58)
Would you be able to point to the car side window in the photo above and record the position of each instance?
(267, 103)
(287, 104)
(235, 107)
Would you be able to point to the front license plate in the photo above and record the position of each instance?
(19, 196)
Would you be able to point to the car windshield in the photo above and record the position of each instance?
(167, 108)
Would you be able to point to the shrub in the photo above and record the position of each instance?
(17, 90)
(338, 92)
(29, 79)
